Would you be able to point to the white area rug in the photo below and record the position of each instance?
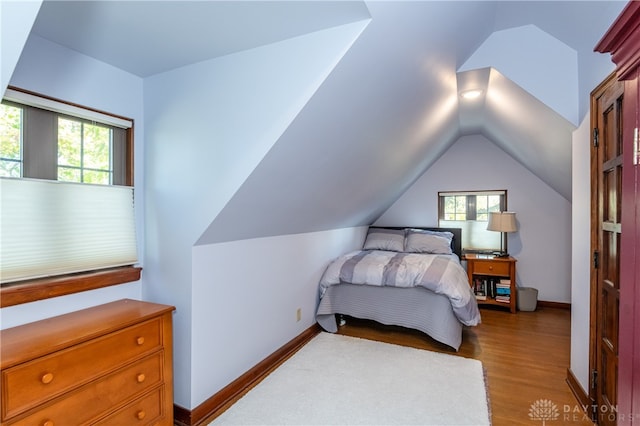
(340, 380)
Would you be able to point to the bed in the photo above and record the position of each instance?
(411, 277)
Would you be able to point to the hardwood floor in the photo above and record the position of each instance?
(525, 355)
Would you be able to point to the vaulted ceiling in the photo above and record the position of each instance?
(392, 99)
(149, 37)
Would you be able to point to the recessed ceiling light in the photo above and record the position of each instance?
(471, 94)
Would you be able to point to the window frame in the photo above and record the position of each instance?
(76, 108)
(26, 291)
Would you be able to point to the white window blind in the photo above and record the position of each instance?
(52, 228)
(474, 234)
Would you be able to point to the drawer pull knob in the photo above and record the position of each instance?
(140, 340)
(141, 414)
(491, 268)
(47, 423)
(140, 378)
(47, 378)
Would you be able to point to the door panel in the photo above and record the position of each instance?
(606, 188)
(622, 42)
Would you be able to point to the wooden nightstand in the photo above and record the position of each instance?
(493, 277)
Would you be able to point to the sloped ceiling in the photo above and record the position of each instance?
(388, 110)
(149, 37)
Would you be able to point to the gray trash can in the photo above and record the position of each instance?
(527, 299)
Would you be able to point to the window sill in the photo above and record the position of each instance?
(44, 288)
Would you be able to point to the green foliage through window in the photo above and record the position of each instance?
(455, 207)
(10, 141)
(470, 207)
(84, 152)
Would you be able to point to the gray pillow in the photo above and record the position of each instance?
(384, 239)
(423, 241)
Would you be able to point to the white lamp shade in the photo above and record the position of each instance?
(502, 222)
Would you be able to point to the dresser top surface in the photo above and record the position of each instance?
(39, 338)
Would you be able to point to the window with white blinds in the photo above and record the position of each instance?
(66, 195)
(52, 228)
(469, 211)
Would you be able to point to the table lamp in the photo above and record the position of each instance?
(502, 222)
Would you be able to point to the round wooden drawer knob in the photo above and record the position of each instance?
(491, 268)
(47, 423)
(140, 378)
(141, 414)
(47, 378)
(140, 340)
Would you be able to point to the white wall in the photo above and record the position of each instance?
(16, 19)
(42, 309)
(208, 125)
(245, 297)
(581, 249)
(542, 244)
(55, 71)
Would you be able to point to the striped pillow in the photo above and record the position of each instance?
(423, 241)
(384, 239)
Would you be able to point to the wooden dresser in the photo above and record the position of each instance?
(111, 364)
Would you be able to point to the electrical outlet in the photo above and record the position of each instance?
(298, 314)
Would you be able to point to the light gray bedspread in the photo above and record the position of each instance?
(441, 274)
(412, 307)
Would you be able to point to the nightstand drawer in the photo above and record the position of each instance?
(491, 268)
(29, 384)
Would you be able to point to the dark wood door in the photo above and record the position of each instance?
(622, 41)
(606, 190)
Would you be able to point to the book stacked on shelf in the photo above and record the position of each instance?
(492, 288)
(503, 291)
(480, 289)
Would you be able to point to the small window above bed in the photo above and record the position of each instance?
(469, 210)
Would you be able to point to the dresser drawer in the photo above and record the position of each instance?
(491, 268)
(92, 400)
(144, 411)
(31, 383)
